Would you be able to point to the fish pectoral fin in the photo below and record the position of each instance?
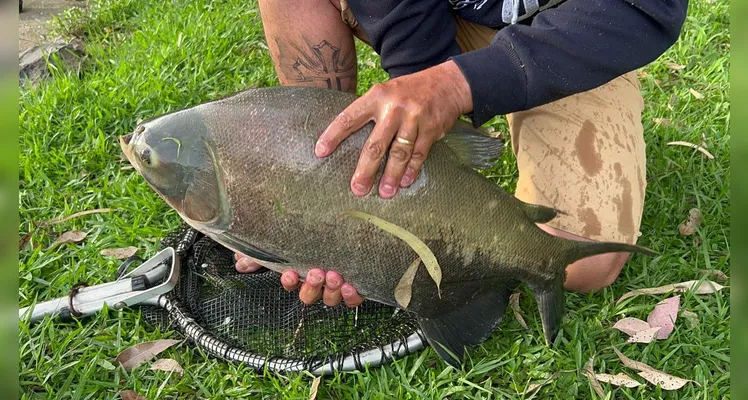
(539, 214)
(470, 325)
(550, 299)
(248, 249)
(474, 147)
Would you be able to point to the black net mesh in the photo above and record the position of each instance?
(254, 313)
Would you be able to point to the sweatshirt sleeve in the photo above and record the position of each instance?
(574, 47)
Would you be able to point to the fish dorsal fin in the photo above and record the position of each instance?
(474, 147)
(539, 214)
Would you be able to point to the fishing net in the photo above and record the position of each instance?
(250, 318)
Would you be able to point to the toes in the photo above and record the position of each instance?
(311, 290)
(351, 296)
(331, 295)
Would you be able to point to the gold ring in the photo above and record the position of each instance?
(404, 141)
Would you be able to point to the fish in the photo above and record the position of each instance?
(450, 248)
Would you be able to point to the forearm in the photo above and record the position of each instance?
(572, 48)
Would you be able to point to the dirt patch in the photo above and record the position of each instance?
(33, 20)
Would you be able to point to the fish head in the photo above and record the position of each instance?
(175, 155)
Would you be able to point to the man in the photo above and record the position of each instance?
(561, 71)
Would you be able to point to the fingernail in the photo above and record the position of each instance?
(359, 187)
(320, 149)
(388, 190)
(315, 279)
(407, 180)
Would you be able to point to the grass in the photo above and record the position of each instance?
(147, 58)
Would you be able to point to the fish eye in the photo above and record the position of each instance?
(145, 156)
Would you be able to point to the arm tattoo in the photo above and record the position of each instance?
(323, 65)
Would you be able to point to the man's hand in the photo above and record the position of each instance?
(329, 285)
(410, 114)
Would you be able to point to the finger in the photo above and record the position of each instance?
(353, 118)
(372, 154)
(420, 152)
(245, 266)
(290, 280)
(331, 295)
(350, 296)
(399, 155)
(311, 289)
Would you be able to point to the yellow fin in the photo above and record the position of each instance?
(425, 254)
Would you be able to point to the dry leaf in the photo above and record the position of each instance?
(370, 63)
(590, 373)
(315, 387)
(718, 275)
(131, 395)
(76, 215)
(404, 288)
(68, 237)
(120, 253)
(706, 287)
(693, 146)
(126, 167)
(631, 326)
(618, 379)
(514, 303)
(133, 356)
(675, 67)
(652, 375)
(692, 223)
(662, 121)
(168, 365)
(535, 386)
(691, 317)
(665, 381)
(696, 94)
(664, 316)
(644, 336)
(23, 241)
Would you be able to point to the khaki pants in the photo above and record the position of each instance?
(584, 154)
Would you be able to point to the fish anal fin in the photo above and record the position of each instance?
(469, 325)
(473, 147)
(540, 214)
(241, 246)
(550, 299)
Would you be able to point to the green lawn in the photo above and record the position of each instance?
(147, 58)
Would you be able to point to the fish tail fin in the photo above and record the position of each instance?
(470, 325)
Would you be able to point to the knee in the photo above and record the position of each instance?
(593, 274)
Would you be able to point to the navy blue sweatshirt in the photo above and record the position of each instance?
(543, 51)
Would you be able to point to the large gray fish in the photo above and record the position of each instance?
(242, 170)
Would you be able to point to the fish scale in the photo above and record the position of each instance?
(246, 175)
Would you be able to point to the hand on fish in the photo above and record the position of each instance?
(410, 114)
(328, 285)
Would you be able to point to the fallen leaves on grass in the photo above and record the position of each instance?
(664, 316)
(514, 303)
(589, 372)
(631, 326)
(133, 356)
(675, 67)
(662, 121)
(691, 317)
(698, 287)
(644, 336)
(76, 215)
(717, 274)
(696, 94)
(618, 380)
(693, 146)
(23, 241)
(131, 395)
(535, 386)
(691, 224)
(654, 376)
(315, 387)
(68, 237)
(120, 253)
(168, 365)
